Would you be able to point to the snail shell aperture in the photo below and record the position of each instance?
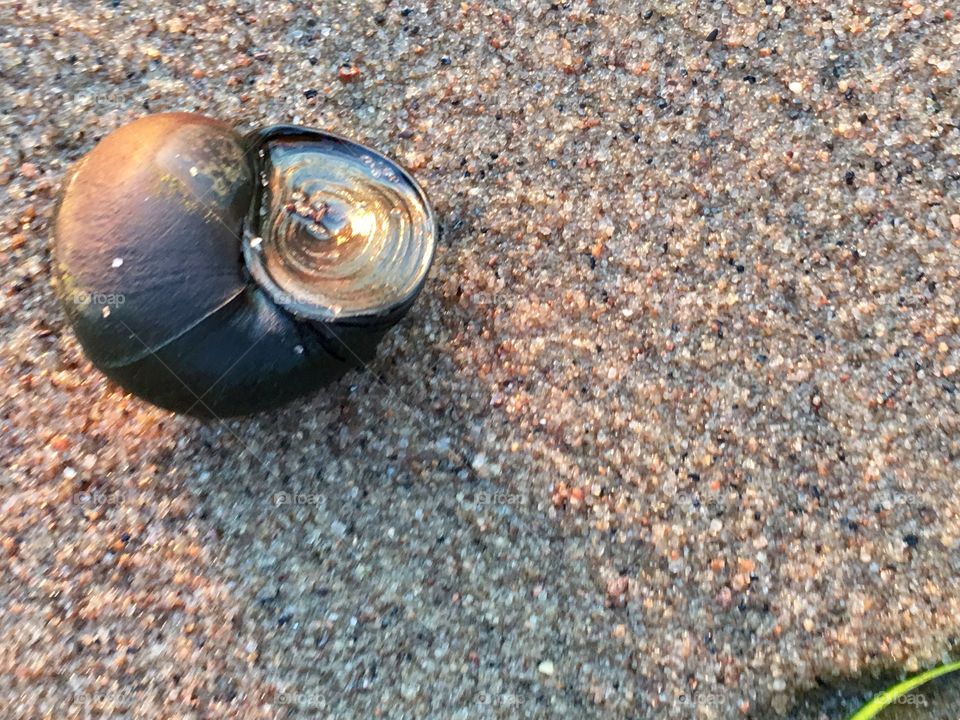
(218, 274)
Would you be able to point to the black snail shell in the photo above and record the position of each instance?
(219, 274)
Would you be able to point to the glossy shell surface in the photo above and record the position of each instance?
(220, 274)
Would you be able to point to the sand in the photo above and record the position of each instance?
(672, 431)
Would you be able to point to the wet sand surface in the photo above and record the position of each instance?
(672, 431)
